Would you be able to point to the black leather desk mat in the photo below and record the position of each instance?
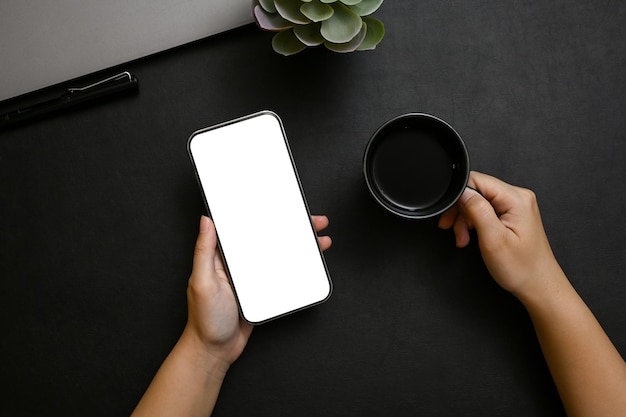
(99, 210)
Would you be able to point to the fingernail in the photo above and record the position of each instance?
(468, 193)
(465, 196)
(204, 224)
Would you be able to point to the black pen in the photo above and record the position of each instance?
(72, 97)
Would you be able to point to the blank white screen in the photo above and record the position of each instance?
(264, 227)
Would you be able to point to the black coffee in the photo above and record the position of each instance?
(412, 169)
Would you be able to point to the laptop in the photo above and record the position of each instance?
(44, 42)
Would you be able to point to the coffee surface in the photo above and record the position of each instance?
(412, 169)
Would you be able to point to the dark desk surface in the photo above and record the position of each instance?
(99, 210)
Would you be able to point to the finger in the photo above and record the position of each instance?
(479, 212)
(461, 232)
(501, 195)
(325, 242)
(447, 219)
(204, 252)
(218, 261)
(320, 222)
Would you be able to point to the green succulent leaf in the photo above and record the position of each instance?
(351, 45)
(342, 26)
(286, 43)
(270, 21)
(350, 2)
(290, 10)
(375, 33)
(309, 34)
(366, 7)
(267, 5)
(316, 10)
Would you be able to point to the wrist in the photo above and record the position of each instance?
(202, 356)
(547, 286)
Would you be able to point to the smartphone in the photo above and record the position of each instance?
(254, 196)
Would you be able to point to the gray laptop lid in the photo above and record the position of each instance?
(46, 42)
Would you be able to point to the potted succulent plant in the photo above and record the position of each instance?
(340, 25)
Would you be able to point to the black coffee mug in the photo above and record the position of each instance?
(416, 166)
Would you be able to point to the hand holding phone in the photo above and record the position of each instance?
(249, 180)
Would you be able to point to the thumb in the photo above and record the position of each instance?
(480, 214)
(204, 252)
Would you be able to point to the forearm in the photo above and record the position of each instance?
(587, 369)
(187, 383)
